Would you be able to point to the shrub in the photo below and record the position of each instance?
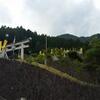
(74, 55)
(93, 56)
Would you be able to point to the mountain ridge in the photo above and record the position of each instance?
(69, 36)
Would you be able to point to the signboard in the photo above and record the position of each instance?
(3, 45)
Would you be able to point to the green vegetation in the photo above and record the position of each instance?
(83, 66)
(92, 59)
(63, 52)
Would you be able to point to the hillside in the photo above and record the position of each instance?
(68, 36)
(38, 41)
(19, 79)
(82, 39)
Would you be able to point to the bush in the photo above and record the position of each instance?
(93, 56)
(74, 55)
(40, 58)
(92, 63)
(29, 59)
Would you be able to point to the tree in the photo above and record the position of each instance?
(95, 43)
(92, 59)
(93, 55)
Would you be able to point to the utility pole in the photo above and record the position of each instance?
(46, 50)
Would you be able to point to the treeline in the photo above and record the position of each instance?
(38, 41)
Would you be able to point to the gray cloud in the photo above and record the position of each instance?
(54, 17)
(58, 17)
(4, 16)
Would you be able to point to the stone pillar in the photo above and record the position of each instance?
(22, 51)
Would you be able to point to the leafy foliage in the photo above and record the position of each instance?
(93, 55)
(92, 59)
(74, 55)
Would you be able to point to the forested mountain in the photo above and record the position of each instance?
(38, 41)
(82, 39)
(68, 36)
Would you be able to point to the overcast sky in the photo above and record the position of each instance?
(52, 17)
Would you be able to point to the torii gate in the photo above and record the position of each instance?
(17, 46)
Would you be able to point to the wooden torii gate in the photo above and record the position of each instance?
(16, 46)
